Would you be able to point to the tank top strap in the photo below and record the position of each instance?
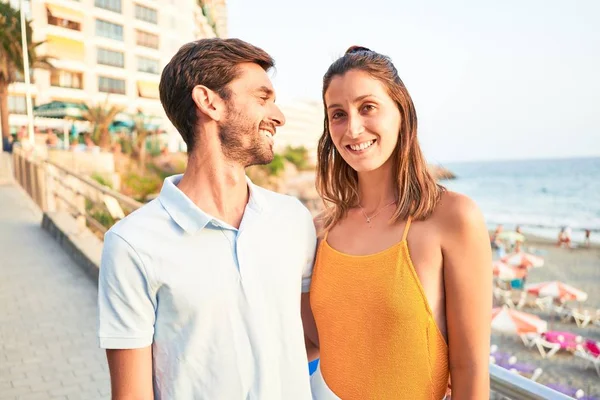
(406, 228)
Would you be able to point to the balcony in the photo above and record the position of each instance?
(64, 22)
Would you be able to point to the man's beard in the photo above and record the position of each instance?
(241, 140)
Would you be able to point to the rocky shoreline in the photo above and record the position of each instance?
(301, 184)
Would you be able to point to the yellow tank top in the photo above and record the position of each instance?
(377, 334)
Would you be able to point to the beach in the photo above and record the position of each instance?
(578, 267)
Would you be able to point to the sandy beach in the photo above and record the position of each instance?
(579, 267)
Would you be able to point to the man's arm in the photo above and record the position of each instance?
(468, 283)
(131, 373)
(127, 306)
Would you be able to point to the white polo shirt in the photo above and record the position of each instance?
(220, 306)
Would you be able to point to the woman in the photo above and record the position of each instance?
(403, 266)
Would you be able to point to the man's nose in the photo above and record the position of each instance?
(277, 116)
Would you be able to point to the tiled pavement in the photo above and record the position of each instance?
(48, 346)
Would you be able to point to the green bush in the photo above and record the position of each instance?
(142, 186)
(104, 218)
(101, 180)
(126, 145)
(297, 156)
(276, 166)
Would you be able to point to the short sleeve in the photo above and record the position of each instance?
(310, 236)
(126, 300)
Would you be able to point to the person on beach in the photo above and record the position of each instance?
(587, 240)
(200, 290)
(401, 292)
(564, 237)
(496, 242)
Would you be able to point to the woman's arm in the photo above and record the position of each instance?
(468, 283)
(311, 338)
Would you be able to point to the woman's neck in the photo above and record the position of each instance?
(377, 188)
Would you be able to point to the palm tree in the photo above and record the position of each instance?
(11, 56)
(101, 116)
(141, 134)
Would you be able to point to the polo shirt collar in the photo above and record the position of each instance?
(188, 215)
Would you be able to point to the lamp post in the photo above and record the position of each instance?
(27, 77)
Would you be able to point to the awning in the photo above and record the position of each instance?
(60, 109)
(65, 13)
(148, 90)
(64, 48)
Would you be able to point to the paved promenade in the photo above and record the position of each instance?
(48, 346)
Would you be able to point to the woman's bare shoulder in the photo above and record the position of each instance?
(320, 220)
(455, 212)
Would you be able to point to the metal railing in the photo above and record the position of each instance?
(53, 188)
(508, 385)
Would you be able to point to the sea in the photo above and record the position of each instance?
(541, 196)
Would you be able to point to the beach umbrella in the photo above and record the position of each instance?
(507, 320)
(507, 272)
(522, 259)
(557, 290)
(511, 236)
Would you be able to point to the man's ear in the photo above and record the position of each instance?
(208, 102)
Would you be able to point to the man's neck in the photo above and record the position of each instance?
(217, 187)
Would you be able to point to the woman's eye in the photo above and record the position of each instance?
(369, 107)
(337, 115)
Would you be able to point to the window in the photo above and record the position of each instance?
(20, 76)
(109, 30)
(18, 104)
(146, 14)
(147, 65)
(112, 5)
(66, 79)
(111, 85)
(111, 57)
(147, 39)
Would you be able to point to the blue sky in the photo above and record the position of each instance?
(490, 80)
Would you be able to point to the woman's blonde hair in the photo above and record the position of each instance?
(337, 183)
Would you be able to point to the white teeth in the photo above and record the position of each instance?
(361, 146)
(267, 133)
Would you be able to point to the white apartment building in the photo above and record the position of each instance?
(303, 126)
(114, 48)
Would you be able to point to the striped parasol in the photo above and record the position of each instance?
(507, 272)
(522, 259)
(557, 290)
(507, 320)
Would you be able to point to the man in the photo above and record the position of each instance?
(200, 290)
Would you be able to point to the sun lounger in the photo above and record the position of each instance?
(528, 300)
(584, 316)
(547, 349)
(529, 339)
(588, 355)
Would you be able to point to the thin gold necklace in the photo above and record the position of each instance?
(369, 218)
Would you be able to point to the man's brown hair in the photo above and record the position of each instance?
(209, 62)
